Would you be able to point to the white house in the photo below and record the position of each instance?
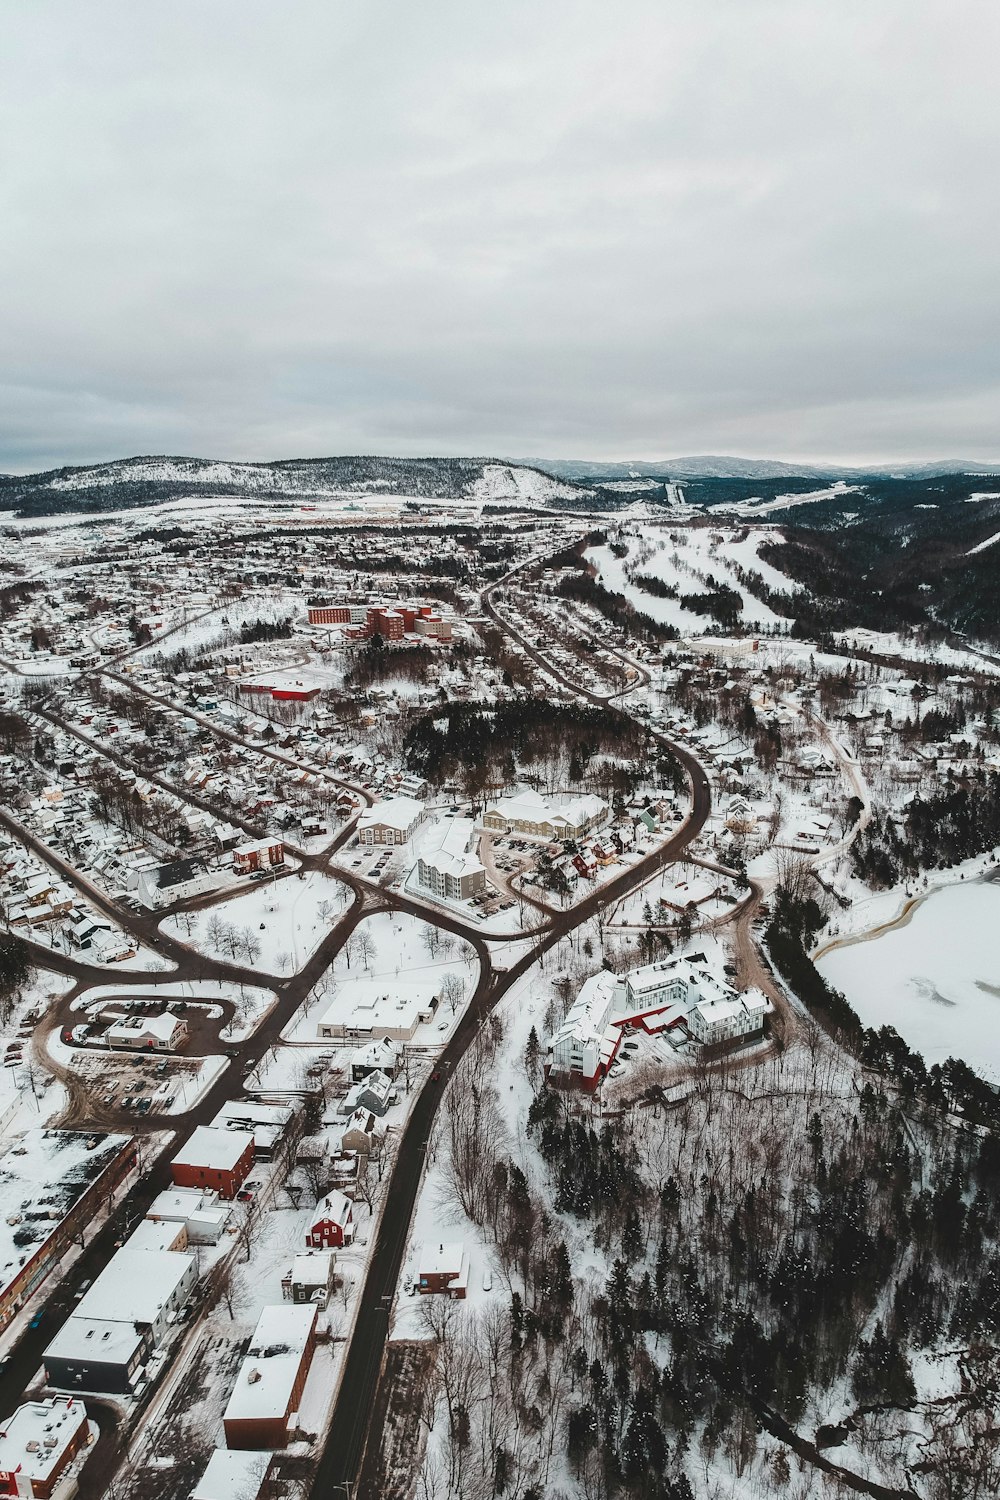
(161, 885)
(165, 1033)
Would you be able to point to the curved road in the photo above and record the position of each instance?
(343, 1453)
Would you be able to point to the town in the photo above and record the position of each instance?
(313, 816)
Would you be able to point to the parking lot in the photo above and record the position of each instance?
(141, 1085)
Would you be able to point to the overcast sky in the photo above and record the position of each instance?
(570, 228)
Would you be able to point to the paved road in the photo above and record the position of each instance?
(343, 1454)
(344, 1450)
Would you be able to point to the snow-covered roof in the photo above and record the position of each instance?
(394, 812)
(34, 1438)
(311, 1267)
(135, 1285)
(232, 1474)
(108, 1341)
(57, 1166)
(267, 1376)
(588, 1016)
(216, 1150)
(163, 1028)
(376, 1004)
(335, 1208)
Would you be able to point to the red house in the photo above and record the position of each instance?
(218, 1159)
(333, 1223)
(262, 856)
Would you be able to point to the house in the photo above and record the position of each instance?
(375, 1093)
(38, 1442)
(265, 855)
(333, 1223)
(443, 1268)
(392, 821)
(380, 1056)
(161, 885)
(218, 1159)
(310, 1277)
(272, 1378)
(84, 932)
(165, 1033)
(358, 1132)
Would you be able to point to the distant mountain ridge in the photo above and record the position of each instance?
(711, 466)
(128, 483)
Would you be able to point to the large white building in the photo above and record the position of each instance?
(393, 821)
(655, 997)
(527, 811)
(446, 866)
(129, 1311)
(368, 1009)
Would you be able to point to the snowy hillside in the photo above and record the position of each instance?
(145, 481)
(513, 482)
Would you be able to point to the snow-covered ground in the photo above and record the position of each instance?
(933, 975)
(386, 948)
(683, 561)
(786, 502)
(286, 919)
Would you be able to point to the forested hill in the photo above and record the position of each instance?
(132, 482)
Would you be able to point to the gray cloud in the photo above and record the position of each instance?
(574, 228)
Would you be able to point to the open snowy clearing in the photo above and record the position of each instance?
(287, 919)
(933, 975)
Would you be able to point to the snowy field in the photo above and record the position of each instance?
(388, 947)
(934, 976)
(287, 919)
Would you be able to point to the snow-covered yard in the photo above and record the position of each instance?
(280, 922)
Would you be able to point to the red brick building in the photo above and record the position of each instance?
(218, 1159)
(272, 1377)
(263, 856)
(329, 614)
(37, 1442)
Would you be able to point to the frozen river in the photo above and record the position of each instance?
(935, 977)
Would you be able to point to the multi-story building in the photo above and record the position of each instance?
(527, 811)
(446, 865)
(266, 854)
(220, 1160)
(38, 1442)
(106, 1342)
(678, 992)
(393, 821)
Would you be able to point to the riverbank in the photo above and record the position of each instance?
(931, 971)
